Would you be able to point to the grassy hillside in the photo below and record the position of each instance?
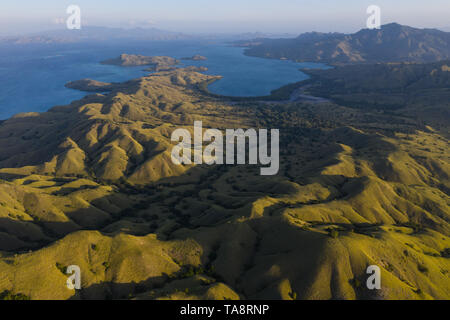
(92, 184)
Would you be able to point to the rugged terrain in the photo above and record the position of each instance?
(156, 63)
(392, 43)
(92, 184)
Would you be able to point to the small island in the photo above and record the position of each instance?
(156, 63)
(90, 85)
(197, 57)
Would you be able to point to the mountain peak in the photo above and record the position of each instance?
(393, 42)
(393, 25)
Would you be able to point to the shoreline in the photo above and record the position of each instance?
(280, 94)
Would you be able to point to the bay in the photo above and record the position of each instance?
(32, 76)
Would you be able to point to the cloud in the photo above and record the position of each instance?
(141, 23)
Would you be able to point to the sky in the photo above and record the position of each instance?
(227, 16)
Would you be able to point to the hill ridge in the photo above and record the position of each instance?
(391, 43)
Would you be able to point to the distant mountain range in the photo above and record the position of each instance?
(96, 34)
(392, 43)
(140, 34)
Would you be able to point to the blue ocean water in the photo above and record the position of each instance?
(32, 76)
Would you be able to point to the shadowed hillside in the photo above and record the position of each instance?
(421, 91)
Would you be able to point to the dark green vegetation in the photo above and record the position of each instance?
(8, 295)
(393, 43)
(420, 91)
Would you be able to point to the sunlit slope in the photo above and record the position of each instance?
(315, 235)
(124, 135)
(112, 266)
(92, 184)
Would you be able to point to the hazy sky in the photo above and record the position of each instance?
(293, 16)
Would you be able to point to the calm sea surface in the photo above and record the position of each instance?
(32, 77)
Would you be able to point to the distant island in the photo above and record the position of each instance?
(392, 43)
(99, 34)
(197, 57)
(157, 63)
(161, 64)
(95, 34)
(90, 85)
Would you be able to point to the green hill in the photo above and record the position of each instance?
(92, 184)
